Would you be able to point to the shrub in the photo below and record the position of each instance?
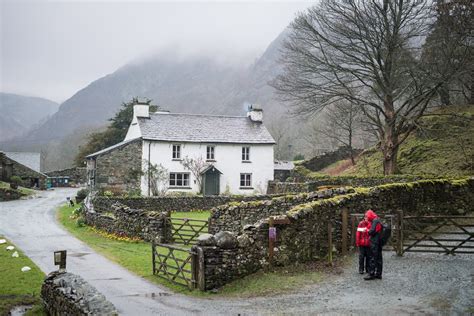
(80, 222)
(108, 193)
(81, 195)
(15, 181)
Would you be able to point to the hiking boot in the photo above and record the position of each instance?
(361, 271)
(378, 277)
(369, 277)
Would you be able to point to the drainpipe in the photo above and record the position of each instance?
(149, 163)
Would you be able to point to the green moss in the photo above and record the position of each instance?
(443, 145)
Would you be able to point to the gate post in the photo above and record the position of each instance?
(345, 212)
(330, 242)
(400, 232)
(153, 247)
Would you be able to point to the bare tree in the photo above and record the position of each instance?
(196, 166)
(341, 125)
(366, 52)
(156, 177)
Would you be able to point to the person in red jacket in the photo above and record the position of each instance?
(375, 233)
(363, 243)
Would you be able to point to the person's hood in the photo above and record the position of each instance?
(370, 215)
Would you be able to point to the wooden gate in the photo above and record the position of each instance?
(437, 234)
(186, 230)
(177, 265)
(390, 219)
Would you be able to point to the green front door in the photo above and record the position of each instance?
(211, 182)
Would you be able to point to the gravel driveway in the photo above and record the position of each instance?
(413, 284)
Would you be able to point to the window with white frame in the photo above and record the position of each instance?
(245, 153)
(245, 180)
(176, 151)
(179, 179)
(210, 153)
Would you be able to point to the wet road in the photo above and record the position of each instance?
(414, 284)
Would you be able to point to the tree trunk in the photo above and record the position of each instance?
(444, 95)
(390, 140)
(390, 161)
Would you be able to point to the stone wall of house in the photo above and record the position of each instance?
(322, 161)
(28, 176)
(69, 294)
(305, 237)
(7, 194)
(76, 174)
(275, 187)
(119, 170)
(234, 216)
(121, 220)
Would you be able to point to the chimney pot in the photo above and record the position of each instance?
(255, 113)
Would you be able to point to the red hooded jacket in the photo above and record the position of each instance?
(362, 234)
(374, 232)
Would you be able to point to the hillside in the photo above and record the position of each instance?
(192, 85)
(19, 114)
(443, 145)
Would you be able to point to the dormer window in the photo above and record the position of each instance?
(176, 151)
(246, 154)
(210, 153)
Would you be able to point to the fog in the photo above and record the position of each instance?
(52, 49)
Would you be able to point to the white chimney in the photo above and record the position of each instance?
(255, 113)
(141, 110)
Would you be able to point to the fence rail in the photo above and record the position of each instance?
(174, 264)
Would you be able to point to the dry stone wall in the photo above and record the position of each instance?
(9, 194)
(121, 220)
(305, 237)
(235, 216)
(69, 294)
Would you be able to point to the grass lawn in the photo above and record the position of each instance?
(17, 287)
(136, 257)
(26, 191)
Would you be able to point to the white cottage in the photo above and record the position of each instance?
(235, 153)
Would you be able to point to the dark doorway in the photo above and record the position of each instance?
(211, 181)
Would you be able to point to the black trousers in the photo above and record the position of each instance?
(364, 259)
(376, 260)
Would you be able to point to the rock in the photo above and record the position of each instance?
(25, 269)
(2, 241)
(243, 241)
(15, 254)
(206, 240)
(10, 248)
(226, 240)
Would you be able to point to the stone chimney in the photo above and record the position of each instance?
(255, 113)
(141, 110)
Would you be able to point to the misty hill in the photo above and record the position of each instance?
(191, 85)
(19, 114)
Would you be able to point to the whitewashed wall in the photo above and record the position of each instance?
(228, 161)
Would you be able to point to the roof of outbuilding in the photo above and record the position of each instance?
(176, 127)
(29, 159)
(103, 151)
(284, 165)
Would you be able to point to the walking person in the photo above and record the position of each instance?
(376, 259)
(363, 243)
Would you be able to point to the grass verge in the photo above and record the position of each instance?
(26, 191)
(135, 256)
(17, 287)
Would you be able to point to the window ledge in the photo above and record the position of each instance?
(211, 160)
(246, 188)
(181, 188)
(176, 159)
(246, 161)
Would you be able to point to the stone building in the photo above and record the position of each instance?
(229, 154)
(30, 175)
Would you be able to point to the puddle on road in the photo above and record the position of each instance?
(78, 254)
(151, 295)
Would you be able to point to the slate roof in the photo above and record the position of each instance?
(176, 127)
(284, 165)
(105, 150)
(29, 159)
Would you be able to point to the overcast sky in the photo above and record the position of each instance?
(52, 49)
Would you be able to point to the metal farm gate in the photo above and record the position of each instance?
(448, 234)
